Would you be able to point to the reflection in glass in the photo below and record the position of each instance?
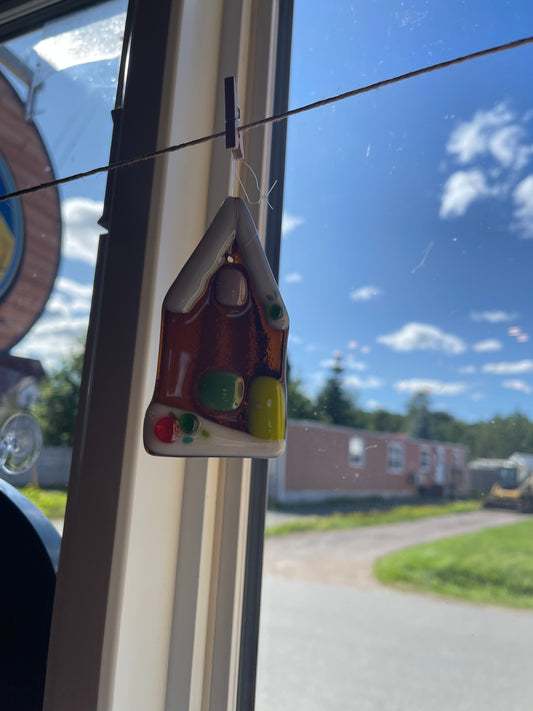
(59, 84)
(20, 443)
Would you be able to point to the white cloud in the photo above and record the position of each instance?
(506, 145)
(74, 288)
(70, 298)
(509, 368)
(462, 189)
(518, 385)
(467, 370)
(373, 405)
(64, 322)
(81, 229)
(423, 337)
(523, 213)
(496, 316)
(349, 364)
(52, 340)
(289, 223)
(295, 340)
(420, 385)
(472, 139)
(365, 293)
(328, 363)
(293, 278)
(353, 364)
(354, 381)
(490, 344)
(497, 135)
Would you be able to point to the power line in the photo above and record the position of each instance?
(271, 119)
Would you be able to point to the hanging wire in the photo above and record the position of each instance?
(271, 119)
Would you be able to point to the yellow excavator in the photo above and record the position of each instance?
(514, 488)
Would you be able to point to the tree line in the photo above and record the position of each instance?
(497, 437)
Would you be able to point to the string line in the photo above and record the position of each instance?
(388, 82)
(271, 119)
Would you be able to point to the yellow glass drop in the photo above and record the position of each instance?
(266, 408)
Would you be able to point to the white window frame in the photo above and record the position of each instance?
(153, 578)
(424, 467)
(395, 450)
(357, 461)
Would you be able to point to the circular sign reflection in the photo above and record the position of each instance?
(30, 226)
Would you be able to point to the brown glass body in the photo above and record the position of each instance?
(213, 336)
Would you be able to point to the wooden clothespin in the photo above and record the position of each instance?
(233, 118)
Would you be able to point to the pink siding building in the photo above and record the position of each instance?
(328, 462)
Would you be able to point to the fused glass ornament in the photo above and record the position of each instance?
(220, 386)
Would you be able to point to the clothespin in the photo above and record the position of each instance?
(233, 118)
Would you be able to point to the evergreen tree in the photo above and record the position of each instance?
(334, 405)
(299, 405)
(419, 420)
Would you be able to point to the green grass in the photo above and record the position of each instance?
(51, 502)
(493, 566)
(339, 521)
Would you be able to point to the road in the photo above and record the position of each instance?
(332, 639)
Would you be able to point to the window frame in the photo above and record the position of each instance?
(21, 16)
(424, 467)
(395, 449)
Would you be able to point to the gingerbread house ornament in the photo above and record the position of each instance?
(220, 386)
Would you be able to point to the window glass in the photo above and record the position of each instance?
(405, 259)
(58, 88)
(356, 451)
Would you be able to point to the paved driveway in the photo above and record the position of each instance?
(331, 648)
(332, 639)
(347, 557)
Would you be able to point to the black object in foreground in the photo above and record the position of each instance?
(29, 558)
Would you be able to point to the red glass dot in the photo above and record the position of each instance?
(167, 429)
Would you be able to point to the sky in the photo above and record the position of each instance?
(408, 211)
(408, 228)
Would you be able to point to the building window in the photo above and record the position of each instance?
(457, 459)
(424, 459)
(395, 458)
(356, 452)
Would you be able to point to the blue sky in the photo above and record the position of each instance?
(408, 236)
(408, 218)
